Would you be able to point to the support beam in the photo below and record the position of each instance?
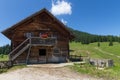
(28, 54)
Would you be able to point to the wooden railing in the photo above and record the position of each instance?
(18, 50)
(43, 41)
(75, 58)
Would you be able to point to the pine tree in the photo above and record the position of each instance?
(119, 39)
(111, 43)
(98, 44)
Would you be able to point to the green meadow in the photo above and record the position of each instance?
(3, 57)
(104, 51)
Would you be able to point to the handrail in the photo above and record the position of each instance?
(18, 46)
(44, 38)
(43, 41)
(19, 52)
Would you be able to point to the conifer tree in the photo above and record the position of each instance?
(98, 44)
(111, 43)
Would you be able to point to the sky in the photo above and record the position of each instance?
(100, 17)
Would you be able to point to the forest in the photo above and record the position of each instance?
(5, 49)
(86, 38)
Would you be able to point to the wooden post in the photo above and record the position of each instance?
(97, 64)
(28, 54)
(60, 52)
(47, 54)
(68, 50)
(30, 41)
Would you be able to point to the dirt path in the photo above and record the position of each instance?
(44, 73)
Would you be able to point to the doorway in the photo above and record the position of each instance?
(42, 52)
(42, 55)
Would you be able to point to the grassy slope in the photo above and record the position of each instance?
(104, 51)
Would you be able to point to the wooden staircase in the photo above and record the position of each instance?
(19, 50)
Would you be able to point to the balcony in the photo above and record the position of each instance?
(43, 41)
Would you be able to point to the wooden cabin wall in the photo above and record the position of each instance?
(63, 44)
(21, 58)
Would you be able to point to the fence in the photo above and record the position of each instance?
(75, 58)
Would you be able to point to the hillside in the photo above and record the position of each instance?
(86, 38)
(104, 51)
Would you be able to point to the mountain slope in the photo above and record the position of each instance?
(86, 38)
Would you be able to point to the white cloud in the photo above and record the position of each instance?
(60, 7)
(63, 21)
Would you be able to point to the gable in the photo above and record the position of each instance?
(41, 19)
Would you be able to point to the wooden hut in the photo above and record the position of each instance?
(40, 38)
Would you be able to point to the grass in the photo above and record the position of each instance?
(15, 67)
(4, 57)
(92, 71)
(12, 68)
(102, 52)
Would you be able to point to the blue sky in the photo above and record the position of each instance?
(93, 16)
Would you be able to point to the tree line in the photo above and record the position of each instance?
(86, 38)
(5, 49)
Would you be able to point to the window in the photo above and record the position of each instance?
(28, 35)
(54, 35)
(56, 51)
